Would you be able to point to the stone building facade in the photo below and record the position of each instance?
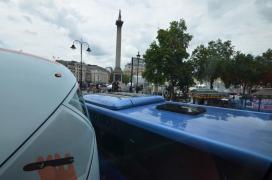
(90, 73)
(141, 67)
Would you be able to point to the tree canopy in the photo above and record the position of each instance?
(242, 71)
(165, 58)
(208, 61)
(265, 67)
(219, 60)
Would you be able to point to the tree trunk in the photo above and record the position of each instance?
(172, 91)
(244, 90)
(155, 89)
(249, 89)
(184, 92)
(211, 83)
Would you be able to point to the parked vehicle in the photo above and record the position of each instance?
(45, 132)
(146, 137)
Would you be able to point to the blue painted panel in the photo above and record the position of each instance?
(229, 134)
(144, 100)
(117, 101)
(107, 101)
(238, 135)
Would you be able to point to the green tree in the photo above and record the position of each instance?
(185, 77)
(243, 71)
(165, 57)
(125, 78)
(209, 61)
(264, 63)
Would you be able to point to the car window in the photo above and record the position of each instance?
(78, 102)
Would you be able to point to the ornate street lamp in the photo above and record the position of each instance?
(131, 76)
(81, 43)
(138, 58)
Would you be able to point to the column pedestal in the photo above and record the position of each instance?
(117, 74)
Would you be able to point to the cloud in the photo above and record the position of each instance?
(2, 44)
(27, 18)
(145, 3)
(47, 28)
(12, 18)
(5, 1)
(218, 8)
(265, 9)
(30, 32)
(98, 51)
(50, 12)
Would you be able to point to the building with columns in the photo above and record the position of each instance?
(96, 74)
(141, 67)
(90, 73)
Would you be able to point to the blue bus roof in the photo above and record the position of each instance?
(117, 101)
(222, 131)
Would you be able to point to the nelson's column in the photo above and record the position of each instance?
(117, 70)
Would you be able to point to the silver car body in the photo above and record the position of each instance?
(39, 123)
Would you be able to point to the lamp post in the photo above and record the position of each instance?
(138, 58)
(81, 43)
(131, 75)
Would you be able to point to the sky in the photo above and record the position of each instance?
(47, 28)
